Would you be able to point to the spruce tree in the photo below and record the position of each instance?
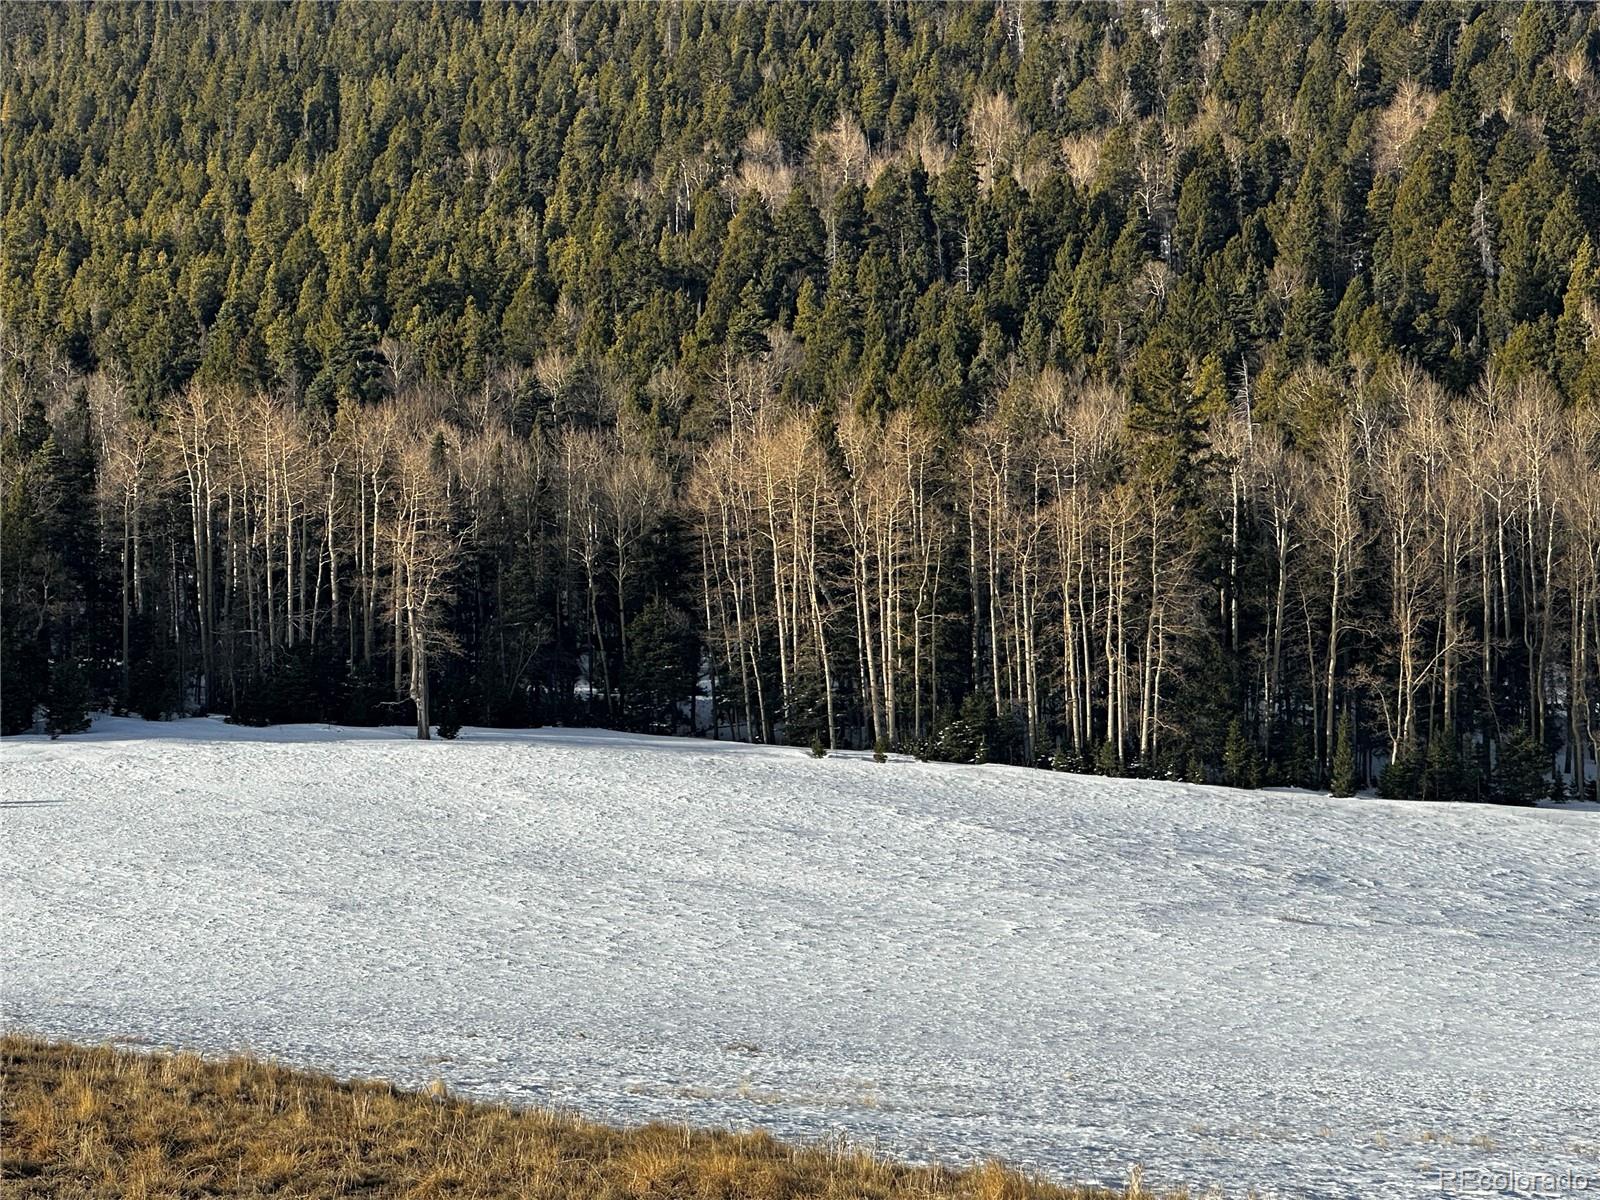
(1519, 775)
(1239, 766)
(1106, 762)
(1344, 759)
(662, 666)
(1402, 777)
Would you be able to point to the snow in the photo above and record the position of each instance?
(1314, 997)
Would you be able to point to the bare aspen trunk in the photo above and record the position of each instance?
(419, 677)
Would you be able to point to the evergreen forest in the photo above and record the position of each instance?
(1200, 391)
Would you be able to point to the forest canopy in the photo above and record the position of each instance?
(1188, 389)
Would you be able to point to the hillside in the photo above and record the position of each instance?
(1321, 998)
(1154, 388)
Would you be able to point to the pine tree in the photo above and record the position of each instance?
(1560, 792)
(1401, 779)
(1106, 762)
(1240, 767)
(1519, 775)
(970, 735)
(663, 660)
(66, 708)
(1344, 759)
(818, 750)
(1577, 348)
(1443, 777)
(880, 750)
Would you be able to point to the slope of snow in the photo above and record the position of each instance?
(1314, 997)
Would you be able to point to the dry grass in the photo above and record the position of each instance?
(102, 1122)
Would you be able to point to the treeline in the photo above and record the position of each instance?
(963, 377)
(1048, 587)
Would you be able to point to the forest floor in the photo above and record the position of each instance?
(1312, 997)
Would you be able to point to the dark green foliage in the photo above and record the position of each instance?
(1401, 777)
(1298, 765)
(1446, 773)
(968, 736)
(1344, 776)
(254, 705)
(331, 223)
(1560, 790)
(309, 683)
(1241, 763)
(1106, 761)
(362, 697)
(880, 751)
(538, 220)
(1521, 770)
(806, 715)
(662, 666)
(67, 704)
(152, 674)
(818, 749)
(24, 672)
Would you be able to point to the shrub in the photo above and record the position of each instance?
(967, 737)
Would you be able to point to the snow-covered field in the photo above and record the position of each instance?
(1314, 997)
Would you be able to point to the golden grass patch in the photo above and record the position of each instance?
(90, 1123)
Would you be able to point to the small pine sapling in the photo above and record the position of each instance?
(1344, 759)
(1107, 762)
(1240, 768)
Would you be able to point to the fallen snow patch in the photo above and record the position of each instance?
(1314, 997)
